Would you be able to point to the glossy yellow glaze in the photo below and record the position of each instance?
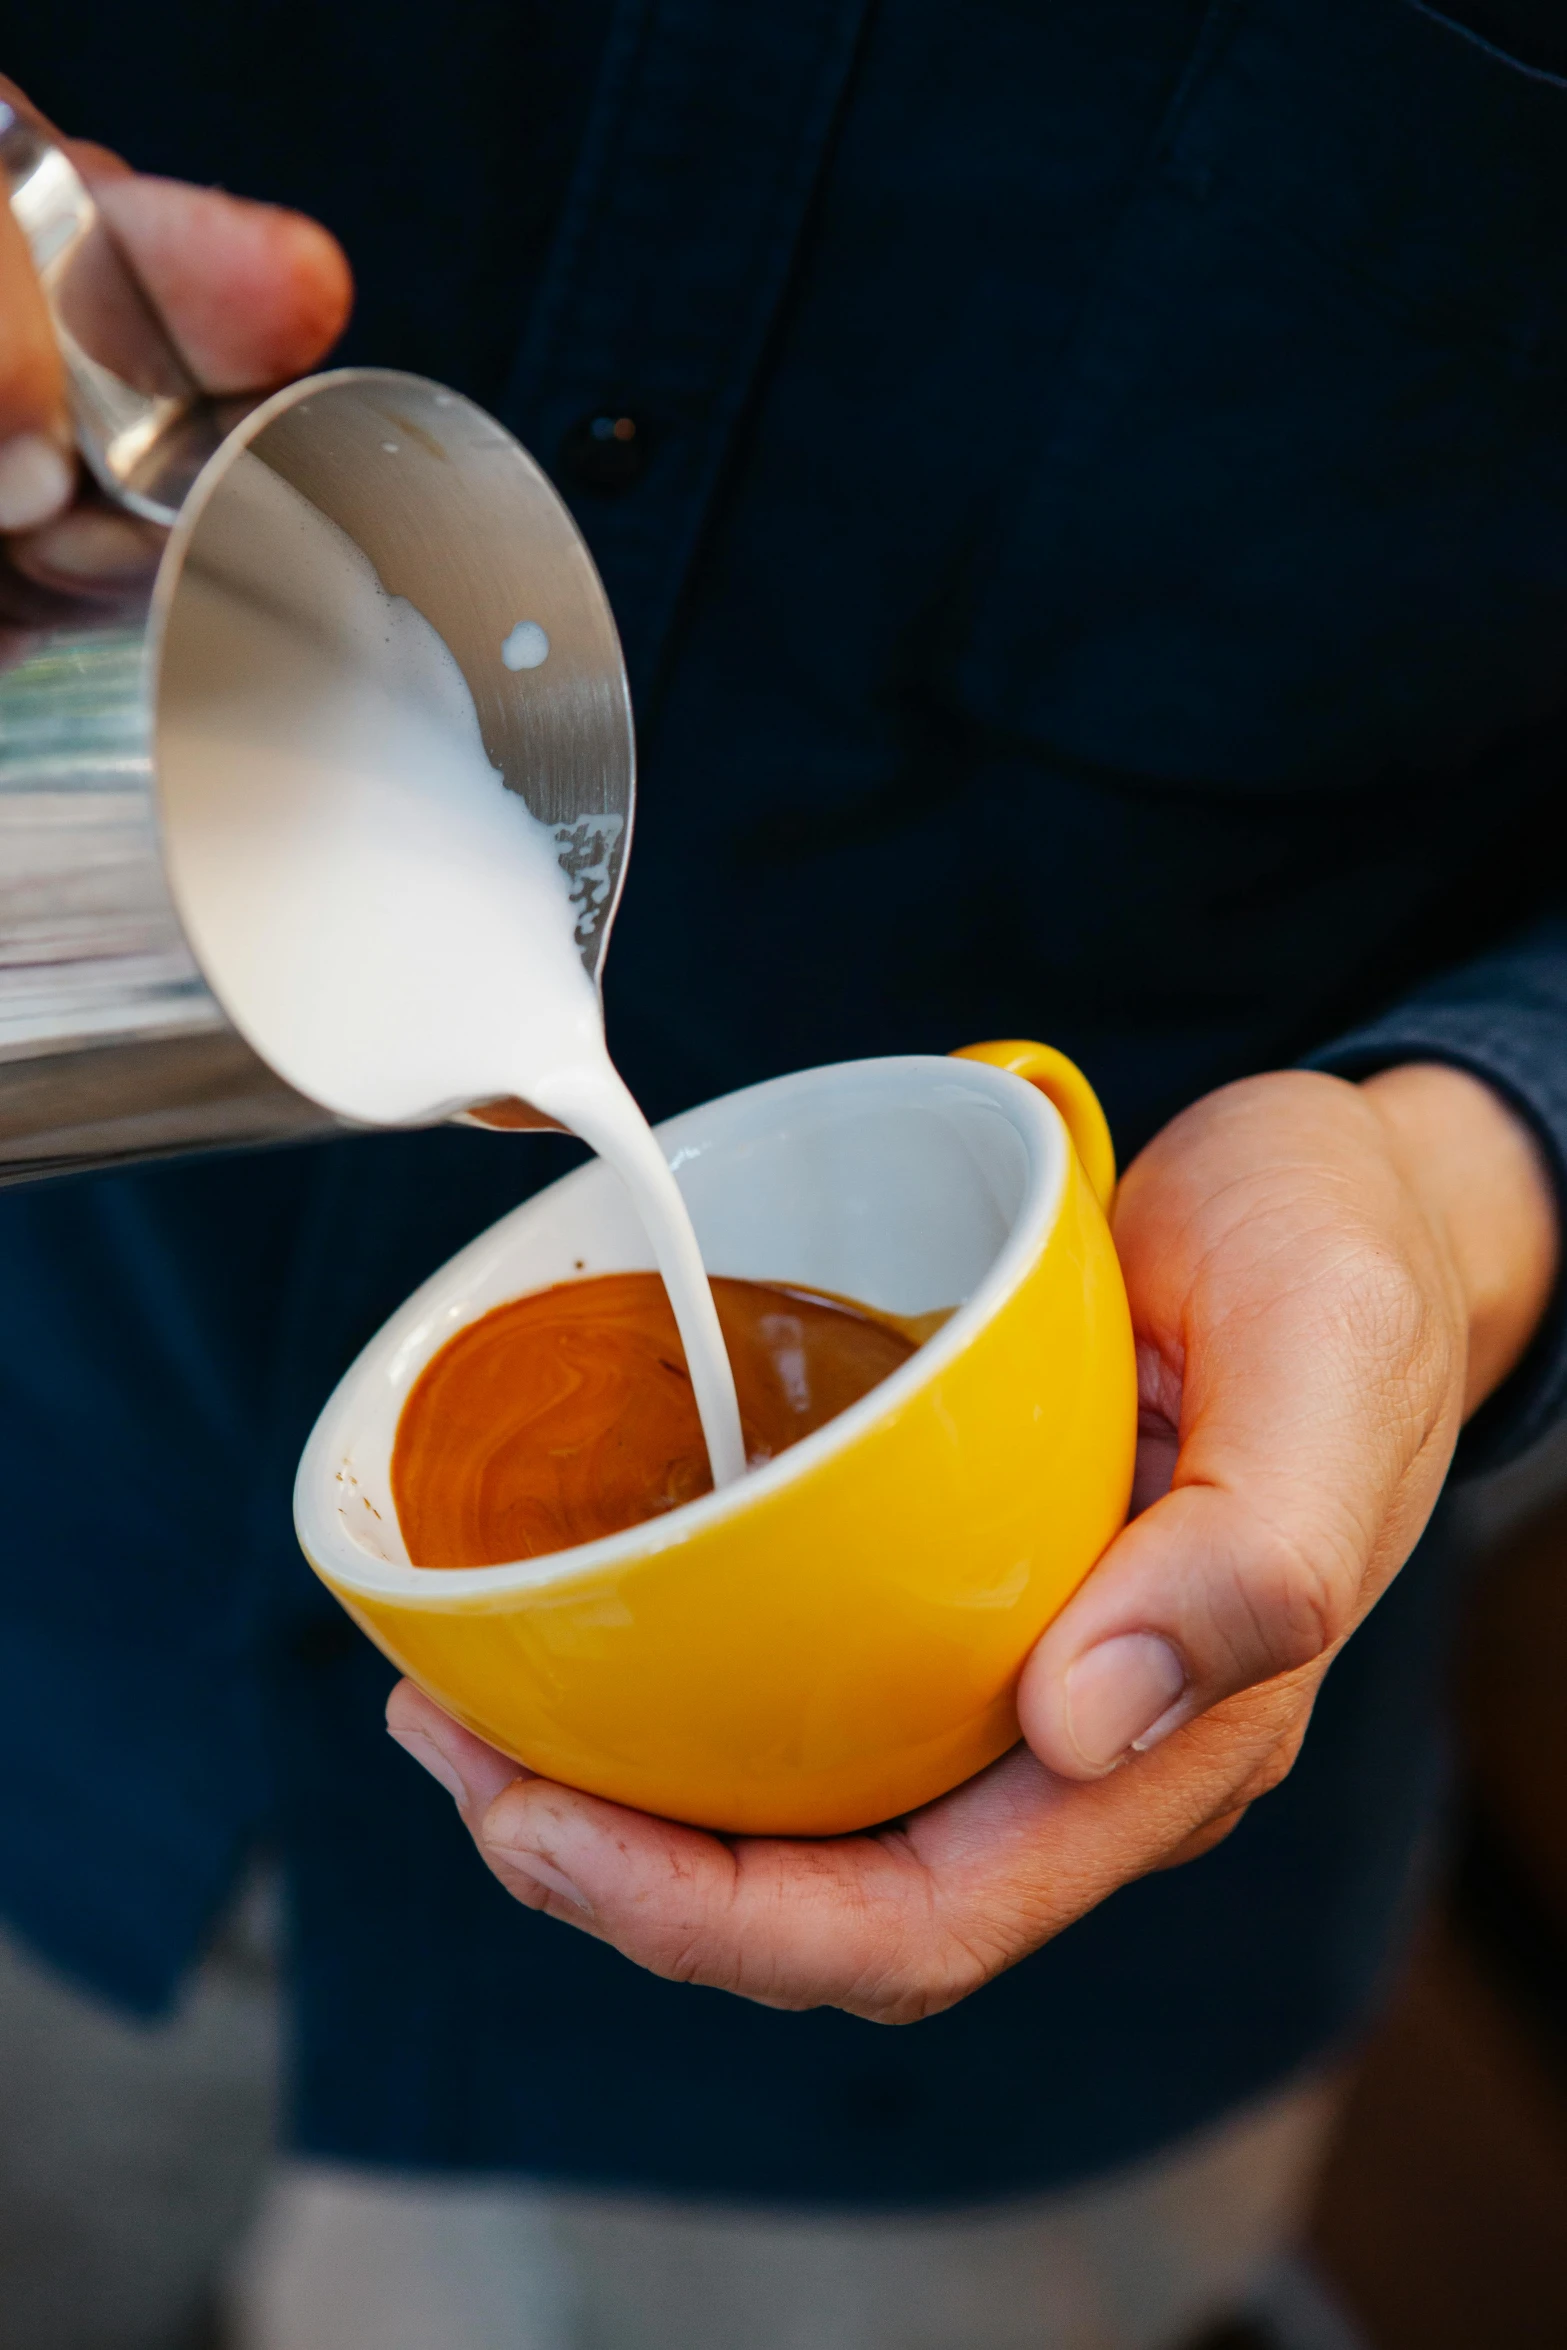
(1063, 1082)
(846, 1646)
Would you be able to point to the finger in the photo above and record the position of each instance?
(37, 472)
(1317, 1414)
(1205, 1839)
(472, 1773)
(251, 293)
(92, 550)
(858, 1922)
(846, 1921)
(96, 164)
(1254, 1565)
(893, 1925)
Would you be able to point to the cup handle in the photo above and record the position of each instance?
(1063, 1083)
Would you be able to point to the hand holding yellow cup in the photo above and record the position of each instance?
(837, 1638)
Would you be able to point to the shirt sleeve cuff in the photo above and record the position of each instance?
(1521, 1052)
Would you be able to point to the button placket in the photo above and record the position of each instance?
(704, 149)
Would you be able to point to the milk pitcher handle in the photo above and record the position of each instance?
(143, 425)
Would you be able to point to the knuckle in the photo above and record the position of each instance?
(524, 1888)
(1290, 1601)
(910, 1986)
(692, 1945)
(690, 1956)
(1203, 1839)
(688, 1942)
(880, 1946)
(1272, 1768)
(1390, 1317)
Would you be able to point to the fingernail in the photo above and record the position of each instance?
(428, 1755)
(89, 545)
(522, 1861)
(1118, 1695)
(36, 480)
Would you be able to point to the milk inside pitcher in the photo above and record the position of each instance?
(121, 1037)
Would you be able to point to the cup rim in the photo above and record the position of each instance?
(333, 1552)
(250, 425)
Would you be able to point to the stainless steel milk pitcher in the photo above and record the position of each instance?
(113, 1043)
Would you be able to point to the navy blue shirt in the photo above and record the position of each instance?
(1096, 566)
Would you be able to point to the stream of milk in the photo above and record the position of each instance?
(385, 923)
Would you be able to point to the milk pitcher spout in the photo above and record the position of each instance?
(118, 1038)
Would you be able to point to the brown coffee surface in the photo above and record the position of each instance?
(569, 1414)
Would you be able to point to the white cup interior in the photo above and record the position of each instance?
(910, 1185)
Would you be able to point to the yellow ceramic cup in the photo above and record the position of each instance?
(838, 1637)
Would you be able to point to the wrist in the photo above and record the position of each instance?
(1483, 1181)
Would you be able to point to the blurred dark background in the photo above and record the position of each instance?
(1441, 2219)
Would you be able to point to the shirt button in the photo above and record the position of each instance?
(605, 452)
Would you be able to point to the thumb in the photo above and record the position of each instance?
(1316, 1424)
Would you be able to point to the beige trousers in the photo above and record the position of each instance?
(132, 2156)
(132, 2159)
(344, 2260)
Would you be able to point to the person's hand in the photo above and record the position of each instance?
(251, 295)
(1325, 1278)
